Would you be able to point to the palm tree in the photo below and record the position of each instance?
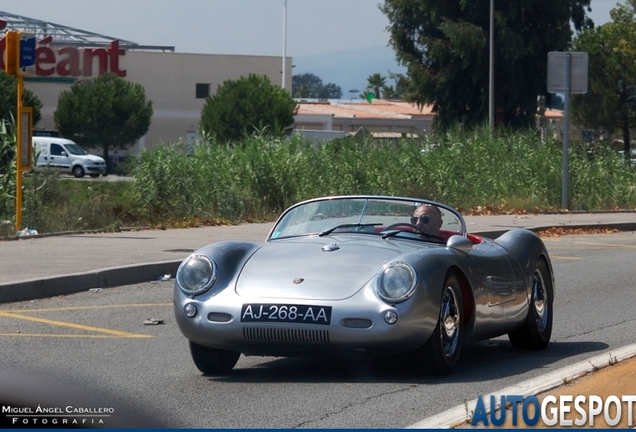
(376, 82)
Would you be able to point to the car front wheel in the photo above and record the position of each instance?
(536, 331)
(213, 361)
(445, 344)
(78, 171)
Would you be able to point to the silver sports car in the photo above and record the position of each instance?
(364, 276)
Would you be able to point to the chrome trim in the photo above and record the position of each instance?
(449, 322)
(286, 334)
(539, 301)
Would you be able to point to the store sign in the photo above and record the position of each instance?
(73, 62)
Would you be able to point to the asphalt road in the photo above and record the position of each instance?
(98, 340)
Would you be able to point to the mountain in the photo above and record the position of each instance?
(349, 68)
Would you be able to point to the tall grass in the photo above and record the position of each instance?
(259, 177)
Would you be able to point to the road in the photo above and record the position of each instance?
(99, 340)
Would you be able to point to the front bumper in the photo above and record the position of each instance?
(358, 328)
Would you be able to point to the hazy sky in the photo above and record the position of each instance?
(246, 27)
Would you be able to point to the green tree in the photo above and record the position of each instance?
(9, 99)
(376, 83)
(330, 91)
(105, 112)
(445, 47)
(308, 85)
(610, 102)
(248, 104)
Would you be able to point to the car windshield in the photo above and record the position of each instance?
(74, 149)
(381, 216)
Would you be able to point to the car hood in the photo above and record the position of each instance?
(94, 158)
(300, 269)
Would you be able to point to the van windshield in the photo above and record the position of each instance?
(75, 149)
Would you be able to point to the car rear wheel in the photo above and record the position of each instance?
(445, 344)
(213, 361)
(536, 331)
(78, 171)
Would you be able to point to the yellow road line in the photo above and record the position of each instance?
(72, 325)
(607, 244)
(564, 257)
(93, 307)
(71, 336)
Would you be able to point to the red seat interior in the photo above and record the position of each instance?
(444, 234)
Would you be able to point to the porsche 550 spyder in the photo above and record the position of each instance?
(364, 276)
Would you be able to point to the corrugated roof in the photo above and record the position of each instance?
(378, 109)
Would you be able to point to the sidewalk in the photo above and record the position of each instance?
(44, 266)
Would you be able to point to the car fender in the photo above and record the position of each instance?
(527, 248)
(230, 257)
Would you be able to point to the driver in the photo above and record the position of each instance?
(428, 218)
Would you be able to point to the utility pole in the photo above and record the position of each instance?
(491, 69)
(284, 41)
(20, 50)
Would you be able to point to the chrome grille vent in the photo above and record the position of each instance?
(286, 334)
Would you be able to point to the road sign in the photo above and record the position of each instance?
(25, 131)
(578, 72)
(27, 54)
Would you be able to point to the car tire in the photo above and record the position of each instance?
(213, 361)
(536, 330)
(445, 344)
(78, 171)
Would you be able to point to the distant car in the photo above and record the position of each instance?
(65, 156)
(352, 277)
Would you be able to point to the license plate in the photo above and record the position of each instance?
(288, 313)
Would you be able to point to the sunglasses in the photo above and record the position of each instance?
(424, 219)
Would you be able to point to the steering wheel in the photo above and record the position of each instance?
(416, 230)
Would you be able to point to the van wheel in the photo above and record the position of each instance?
(78, 171)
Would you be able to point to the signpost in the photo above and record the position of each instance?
(20, 63)
(567, 73)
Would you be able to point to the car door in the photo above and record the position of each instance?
(59, 158)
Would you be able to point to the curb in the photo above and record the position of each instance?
(102, 278)
(621, 226)
(137, 273)
(458, 416)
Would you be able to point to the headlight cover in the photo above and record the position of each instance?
(396, 282)
(196, 274)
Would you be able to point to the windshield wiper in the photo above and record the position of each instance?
(349, 225)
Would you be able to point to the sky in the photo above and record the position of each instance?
(242, 27)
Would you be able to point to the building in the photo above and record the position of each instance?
(177, 83)
(380, 116)
(328, 119)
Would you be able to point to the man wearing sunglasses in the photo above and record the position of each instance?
(428, 218)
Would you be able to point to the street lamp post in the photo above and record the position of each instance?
(284, 41)
(491, 69)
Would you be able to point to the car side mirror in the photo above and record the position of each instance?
(64, 153)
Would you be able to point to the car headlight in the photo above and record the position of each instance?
(196, 274)
(396, 282)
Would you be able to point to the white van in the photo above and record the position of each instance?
(66, 156)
